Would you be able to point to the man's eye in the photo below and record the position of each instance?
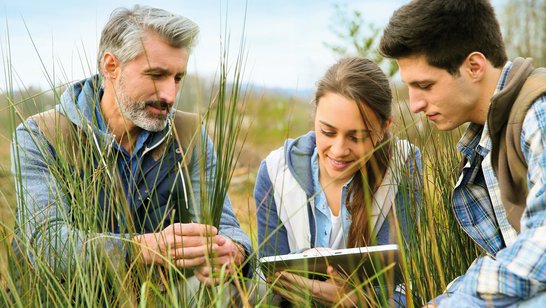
(155, 76)
(424, 86)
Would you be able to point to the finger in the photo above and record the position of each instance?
(210, 270)
(296, 296)
(188, 263)
(194, 229)
(216, 251)
(334, 275)
(297, 280)
(314, 287)
(193, 252)
(206, 280)
(176, 241)
(218, 263)
(223, 260)
(202, 270)
(292, 284)
(220, 240)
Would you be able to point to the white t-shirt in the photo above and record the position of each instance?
(336, 235)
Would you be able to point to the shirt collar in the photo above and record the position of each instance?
(98, 112)
(503, 77)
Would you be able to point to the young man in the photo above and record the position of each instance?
(452, 57)
(132, 160)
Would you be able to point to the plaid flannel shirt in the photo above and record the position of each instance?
(515, 264)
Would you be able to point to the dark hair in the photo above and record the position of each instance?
(445, 32)
(363, 82)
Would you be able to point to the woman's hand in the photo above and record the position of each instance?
(298, 289)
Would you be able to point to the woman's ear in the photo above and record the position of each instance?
(385, 128)
(110, 66)
(387, 124)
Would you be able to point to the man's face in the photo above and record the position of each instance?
(448, 101)
(148, 84)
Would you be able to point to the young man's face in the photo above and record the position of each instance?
(148, 84)
(446, 100)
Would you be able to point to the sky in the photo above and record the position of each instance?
(284, 39)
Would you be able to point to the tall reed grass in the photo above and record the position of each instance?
(65, 254)
(434, 252)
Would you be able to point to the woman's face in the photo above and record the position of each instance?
(344, 141)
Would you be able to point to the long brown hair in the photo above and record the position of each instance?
(362, 81)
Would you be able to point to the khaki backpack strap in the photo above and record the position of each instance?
(512, 167)
(187, 133)
(60, 133)
(54, 126)
(534, 87)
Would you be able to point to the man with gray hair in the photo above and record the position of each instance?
(111, 165)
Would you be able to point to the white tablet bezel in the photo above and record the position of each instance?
(346, 260)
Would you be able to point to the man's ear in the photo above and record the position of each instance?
(475, 65)
(110, 66)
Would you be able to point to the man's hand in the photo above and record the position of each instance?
(185, 245)
(226, 256)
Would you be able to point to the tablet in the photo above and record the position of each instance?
(365, 262)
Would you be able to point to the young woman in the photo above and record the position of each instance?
(333, 187)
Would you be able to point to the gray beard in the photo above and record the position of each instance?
(135, 111)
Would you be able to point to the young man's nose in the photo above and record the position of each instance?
(417, 102)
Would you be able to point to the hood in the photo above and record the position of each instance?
(298, 153)
(78, 103)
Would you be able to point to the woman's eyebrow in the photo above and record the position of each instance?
(326, 124)
(352, 131)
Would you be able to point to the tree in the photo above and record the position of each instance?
(358, 37)
(525, 29)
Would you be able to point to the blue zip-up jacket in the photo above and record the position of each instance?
(273, 237)
(151, 180)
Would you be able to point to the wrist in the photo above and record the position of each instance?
(140, 252)
(240, 254)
